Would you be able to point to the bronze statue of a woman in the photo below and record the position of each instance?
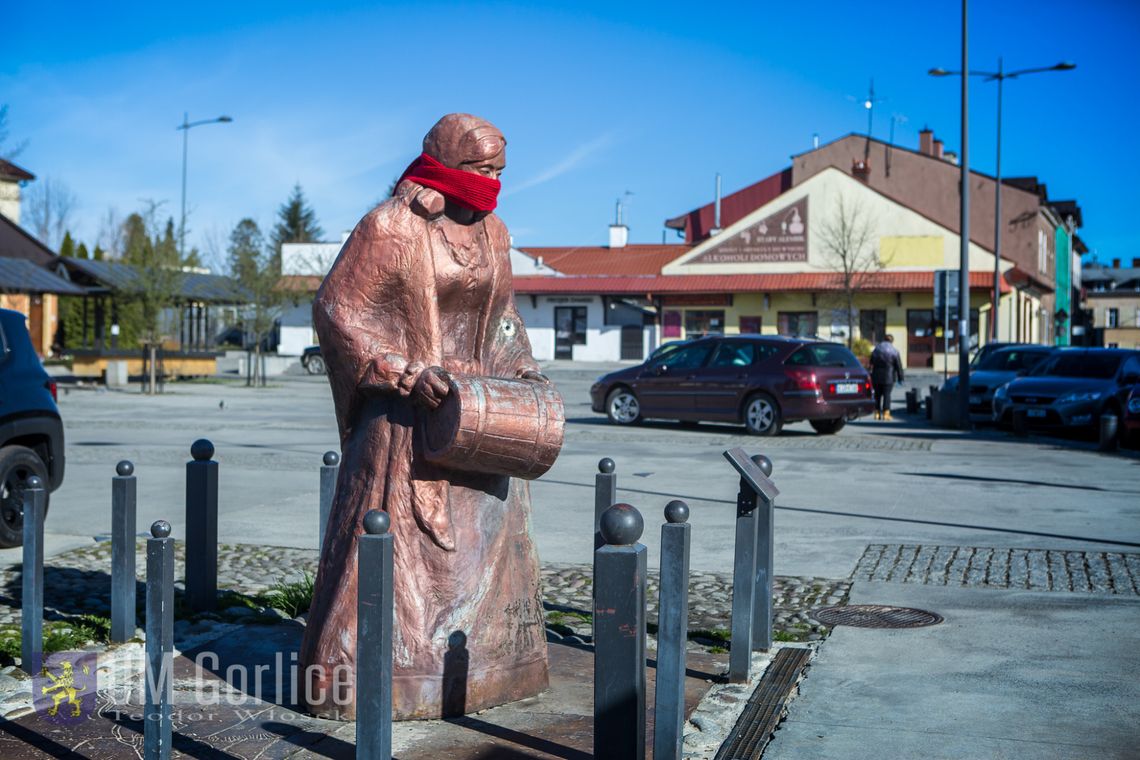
(421, 293)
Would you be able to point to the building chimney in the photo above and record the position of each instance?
(950, 156)
(937, 150)
(716, 208)
(926, 142)
(1116, 263)
(619, 235)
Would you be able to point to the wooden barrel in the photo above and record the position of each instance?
(493, 425)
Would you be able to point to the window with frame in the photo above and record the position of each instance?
(699, 323)
(798, 324)
(1112, 317)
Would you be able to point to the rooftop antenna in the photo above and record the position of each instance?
(896, 118)
(869, 104)
(620, 207)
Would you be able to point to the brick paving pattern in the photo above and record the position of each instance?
(987, 567)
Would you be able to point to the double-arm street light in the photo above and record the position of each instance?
(185, 126)
(1000, 76)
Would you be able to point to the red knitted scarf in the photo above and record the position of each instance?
(470, 190)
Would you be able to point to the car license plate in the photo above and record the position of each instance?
(847, 388)
(1034, 412)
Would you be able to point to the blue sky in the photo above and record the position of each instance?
(595, 99)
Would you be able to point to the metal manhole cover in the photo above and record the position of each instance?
(876, 616)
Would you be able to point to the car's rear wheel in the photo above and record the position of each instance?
(829, 427)
(17, 465)
(315, 365)
(762, 415)
(622, 407)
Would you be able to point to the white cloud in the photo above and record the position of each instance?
(576, 158)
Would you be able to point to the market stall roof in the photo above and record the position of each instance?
(115, 276)
(22, 276)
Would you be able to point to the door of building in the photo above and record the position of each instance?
(569, 330)
(36, 323)
(873, 324)
(919, 338)
(632, 342)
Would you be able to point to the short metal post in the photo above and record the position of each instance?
(605, 495)
(159, 683)
(1109, 424)
(619, 637)
(32, 598)
(329, 471)
(202, 527)
(930, 407)
(912, 401)
(672, 633)
(374, 639)
(762, 599)
(123, 505)
(743, 586)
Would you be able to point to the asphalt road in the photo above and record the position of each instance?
(872, 483)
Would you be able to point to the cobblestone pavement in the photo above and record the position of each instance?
(78, 581)
(1034, 569)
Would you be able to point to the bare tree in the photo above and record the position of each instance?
(110, 237)
(8, 150)
(47, 206)
(847, 240)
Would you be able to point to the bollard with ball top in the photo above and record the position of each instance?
(330, 468)
(619, 636)
(374, 639)
(159, 679)
(201, 527)
(124, 496)
(32, 583)
(672, 633)
(605, 495)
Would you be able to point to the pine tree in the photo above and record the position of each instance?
(81, 252)
(297, 222)
(67, 247)
(98, 253)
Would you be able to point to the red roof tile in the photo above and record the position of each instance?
(636, 259)
(801, 282)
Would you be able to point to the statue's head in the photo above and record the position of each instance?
(466, 142)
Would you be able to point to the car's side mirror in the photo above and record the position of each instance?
(661, 369)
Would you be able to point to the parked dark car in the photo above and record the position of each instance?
(1071, 388)
(312, 360)
(762, 382)
(978, 355)
(995, 370)
(31, 432)
(1130, 422)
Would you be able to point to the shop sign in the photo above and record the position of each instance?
(781, 236)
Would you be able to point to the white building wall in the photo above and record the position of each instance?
(296, 329)
(603, 342)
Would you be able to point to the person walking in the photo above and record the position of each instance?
(886, 370)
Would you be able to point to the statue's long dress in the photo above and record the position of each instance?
(469, 630)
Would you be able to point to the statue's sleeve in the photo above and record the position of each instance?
(362, 312)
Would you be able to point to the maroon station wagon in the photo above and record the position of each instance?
(760, 381)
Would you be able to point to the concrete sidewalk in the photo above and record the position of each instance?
(1008, 674)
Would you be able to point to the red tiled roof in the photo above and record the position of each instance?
(10, 170)
(733, 207)
(802, 282)
(637, 259)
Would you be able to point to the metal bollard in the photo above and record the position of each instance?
(605, 495)
(930, 407)
(159, 683)
(762, 591)
(124, 499)
(1020, 422)
(754, 485)
(1109, 424)
(619, 636)
(32, 598)
(912, 401)
(374, 639)
(330, 468)
(202, 528)
(672, 633)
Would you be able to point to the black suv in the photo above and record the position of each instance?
(31, 432)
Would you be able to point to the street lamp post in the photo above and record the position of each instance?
(185, 126)
(1000, 76)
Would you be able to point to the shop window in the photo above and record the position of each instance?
(873, 324)
(798, 323)
(698, 323)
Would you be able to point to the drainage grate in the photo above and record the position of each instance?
(765, 707)
(876, 616)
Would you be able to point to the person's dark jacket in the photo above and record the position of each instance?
(886, 364)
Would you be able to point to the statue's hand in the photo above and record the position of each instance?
(536, 376)
(431, 388)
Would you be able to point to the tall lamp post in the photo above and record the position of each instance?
(185, 126)
(1000, 76)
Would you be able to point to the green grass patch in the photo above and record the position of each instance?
(292, 598)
